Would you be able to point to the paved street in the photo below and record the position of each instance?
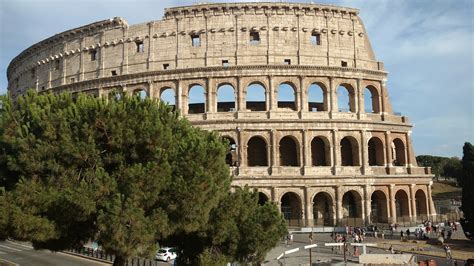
(14, 253)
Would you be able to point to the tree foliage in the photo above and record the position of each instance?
(442, 166)
(127, 172)
(468, 186)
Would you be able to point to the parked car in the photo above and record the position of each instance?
(166, 254)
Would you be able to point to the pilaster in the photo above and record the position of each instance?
(393, 210)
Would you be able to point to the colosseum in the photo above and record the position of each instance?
(295, 88)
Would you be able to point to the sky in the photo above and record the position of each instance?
(426, 46)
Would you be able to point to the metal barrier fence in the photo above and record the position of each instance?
(99, 254)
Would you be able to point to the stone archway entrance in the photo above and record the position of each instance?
(291, 209)
(262, 198)
(402, 206)
(379, 211)
(352, 209)
(420, 203)
(323, 211)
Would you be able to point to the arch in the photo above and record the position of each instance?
(317, 95)
(291, 208)
(286, 96)
(371, 100)
(257, 152)
(402, 204)
(320, 152)
(255, 99)
(115, 95)
(168, 96)
(262, 198)
(349, 152)
(323, 210)
(375, 151)
(225, 98)
(288, 152)
(379, 210)
(141, 93)
(420, 203)
(196, 99)
(352, 204)
(398, 152)
(346, 98)
(231, 156)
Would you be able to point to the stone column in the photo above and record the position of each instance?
(306, 160)
(333, 97)
(308, 207)
(81, 59)
(151, 46)
(414, 213)
(274, 162)
(298, 93)
(151, 89)
(303, 95)
(431, 208)
(211, 104)
(408, 150)
(393, 210)
(388, 149)
(125, 51)
(180, 103)
(335, 159)
(240, 150)
(339, 195)
(240, 95)
(360, 99)
(270, 95)
(368, 204)
(364, 151)
(64, 64)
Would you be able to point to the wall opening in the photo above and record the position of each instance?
(323, 210)
(319, 152)
(255, 98)
(351, 205)
(398, 152)
(315, 38)
(420, 202)
(346, 98)
(93, 54)
(287, 62)
(225, 98)
(349, 152)
(401, 205)
(286, 97)
(167, 96)
(197, 100)
(375, 151)
(371, 100)
(288, 152)
(378, 202)
(140, 46)
(291, 208)
(262, 198)
(141, 94)
(257, 152)
(195, 40)
(231, 156)
(316, 98)
(254, 37)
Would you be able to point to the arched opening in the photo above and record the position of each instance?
(398, 152)
(231, 156)
(255, 99)
(351, 205)
(286, 96)
(319, 152)
(316, 98)
(168, 96)
(225, 98)
(288, 152)
(197, 100)
(115, 95)
(349, 152)
(371, 100)
(257, 152)
(141, 94)
(262, 198)
(323, 211)
(375, 150)
(291, 208)
(401, 205)
(420, 202)
(379, 213)
(346, 98)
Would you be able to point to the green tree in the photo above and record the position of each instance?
(239, 230)
(126, 172)
(468, 186)
(453, 169)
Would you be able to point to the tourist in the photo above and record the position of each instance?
(401, 235)
(447, 249)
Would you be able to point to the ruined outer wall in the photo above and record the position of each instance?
(285, 31)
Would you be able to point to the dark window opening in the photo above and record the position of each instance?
(225, 63)
(287, 61)
(257, 152)
(93, 55)
(56, 64)
(344, 63)
(288, 152)
(196, 40)
(315, 38)
(42, 88)
(140, 46)
(33, 73)
(114, 72)
(166, 66)
(73, 80)
(254, 37)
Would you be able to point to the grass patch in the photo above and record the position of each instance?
(445, 190)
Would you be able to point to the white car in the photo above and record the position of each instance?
(166, 254)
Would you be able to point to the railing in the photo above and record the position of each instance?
(101, 255)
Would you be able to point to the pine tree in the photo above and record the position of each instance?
(468, 187)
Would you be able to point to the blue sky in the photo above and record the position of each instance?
(426, 45)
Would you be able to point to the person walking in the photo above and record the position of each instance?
(401, 235)
(447, 250)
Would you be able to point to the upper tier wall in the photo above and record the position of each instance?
(297, 34)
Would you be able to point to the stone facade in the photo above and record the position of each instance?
(322, 163)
